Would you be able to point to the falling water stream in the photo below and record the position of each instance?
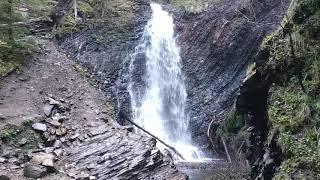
(160, 105)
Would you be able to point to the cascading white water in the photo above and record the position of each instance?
(159, 107)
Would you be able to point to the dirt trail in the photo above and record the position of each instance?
(51, 74)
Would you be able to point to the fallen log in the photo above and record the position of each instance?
(226, 149)
(164, 143)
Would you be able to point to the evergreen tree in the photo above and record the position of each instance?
(8, 17)
(6, 20)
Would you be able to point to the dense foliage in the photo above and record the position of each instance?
(294, 105)
(9, 57)
(14, 17)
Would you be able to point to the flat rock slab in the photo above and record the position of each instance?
(34, 171)
(119, 154)
(39, 127)
(47, 109)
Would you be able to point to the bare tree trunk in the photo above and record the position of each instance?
(75, 10)
(226, 149)
(209, 134)
(10, 14)
(103, 7)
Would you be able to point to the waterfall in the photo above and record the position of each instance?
(158, 104)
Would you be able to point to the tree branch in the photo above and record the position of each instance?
(172, 148)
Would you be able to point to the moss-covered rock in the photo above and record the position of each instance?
(20, 136)
(10, 58)
(289, 65)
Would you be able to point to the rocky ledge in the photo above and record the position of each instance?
(119, 154)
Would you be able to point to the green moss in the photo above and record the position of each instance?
(292, 112)
(233, 132)
(12, 38)
(7, 67)
(232, 125)
(194, 6)
(11, 135)
(290, 109)
(67, 26)
(81, 70)
(295, 116)
(86, 9)
(10, 58)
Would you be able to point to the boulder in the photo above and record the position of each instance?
(47, 109)
(74, 137)
(48, 163)
(7, 153)
(53, 102)
(23, 141)
(58, 152)
(82, 176)
(2, 117)
(13, 160)
(23, 78)
(4, 177)
(97, 130)
(57, 143)
(45, 159)
(59, 118)
(55, 123)
(34, 171)
(13, 166)
(61, 131)
(39, 127)
(2, 160)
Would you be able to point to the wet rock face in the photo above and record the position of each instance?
(216, 47)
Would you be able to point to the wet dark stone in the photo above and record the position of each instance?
(4, 177)
(34, 171)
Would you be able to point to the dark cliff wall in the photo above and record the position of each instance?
(216, 48)
(216, 44)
